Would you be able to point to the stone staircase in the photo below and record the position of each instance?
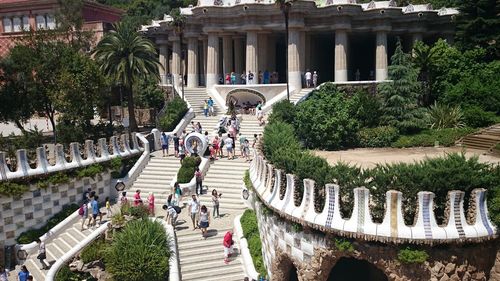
(196, 97)
(202, 259)
(156, 177)
(297, 96)
(55, 249)
(485, 139)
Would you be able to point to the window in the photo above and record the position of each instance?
(40, 22)
(17, 24)
(51, 22)
(26, 23)
(7, 25)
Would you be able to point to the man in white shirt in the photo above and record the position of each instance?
(194, 208)
(308, 77)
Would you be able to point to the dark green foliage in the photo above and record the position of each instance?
(494, 198)
(401, 96)
(90, 171)
(8, 188)
(251, 233)
(343, 245)
(283, 111)
(296, 227)
(475, 117)
(187, 169)
(65, 274)
(32, 234)
(278, 138)
(381, 136)
(94, 251)
(174, 112)
(140, 211)
(149, 94)
(139, 252)
(326, 119)
(445, 137)
(55, 179)
(247, 181)
(408, 256)
(368, 108)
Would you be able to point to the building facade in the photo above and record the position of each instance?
(340, 39)
(17, 16)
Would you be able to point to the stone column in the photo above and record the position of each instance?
(163, 58)
(212, 60)
(262, 51)
(294, 75)
(302, 52)
(227, 54)
(192, 69)
(238, 56)
(251, 58)
(176, 62)
(340, 56)
(381, 56)
(204, 49)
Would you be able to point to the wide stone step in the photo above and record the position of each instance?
(211, 267)
(200, 251)
(225, 277)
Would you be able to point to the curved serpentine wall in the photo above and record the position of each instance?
(267, 180)
(23, 168)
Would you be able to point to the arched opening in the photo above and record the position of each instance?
(293, 274)
(245, 99)
(351, 269)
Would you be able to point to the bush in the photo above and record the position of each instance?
(377, 137)
(140, 211)
(442, 116)
(139, 252)
(445, 137)
(279, 135)
(326, 120)
(475, 117)
(174, 112)
(94, 251)
(251, 233)
(32, 234)
(65, 274)
(90, 171)
(368, 108)
(186, 171)
(412, 256)
(283, 111)
(8, 188)
(343, 245)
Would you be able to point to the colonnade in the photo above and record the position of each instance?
(208, 60)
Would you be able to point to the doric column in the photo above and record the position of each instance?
(340, 56)
(238, 56)
(262, 51)
(294, 76)
(163, 58)
(251, 60)
(192, 69)
(212, 60)
(381, 56)
(176, 61)
(227, 54)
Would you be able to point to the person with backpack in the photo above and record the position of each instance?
(199, 179)
(83, 212)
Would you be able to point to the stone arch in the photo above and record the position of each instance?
(241, 95)
(353, 269)
(284, 268)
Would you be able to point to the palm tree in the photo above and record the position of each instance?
(423, 57)
(126, 57)
(178, 22)
(285, 6)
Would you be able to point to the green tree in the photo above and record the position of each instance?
(401, 95)
(423, 57)
(126, 57)
(478, 25)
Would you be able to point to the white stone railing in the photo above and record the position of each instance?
(23, 168)
(360, 224)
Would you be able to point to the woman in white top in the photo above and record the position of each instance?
(204, 220)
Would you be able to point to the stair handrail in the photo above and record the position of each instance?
(73, 251)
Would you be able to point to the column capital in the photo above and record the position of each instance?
(173, 37)
(382, 28)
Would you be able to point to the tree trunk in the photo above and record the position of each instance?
(131, 111)
(50, 115)
(19, 125)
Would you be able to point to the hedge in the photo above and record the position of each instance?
(65, 274)
(381, 136)
(445, 137)
(251, 233)
(187, 169)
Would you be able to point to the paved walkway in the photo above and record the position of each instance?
(369, 157)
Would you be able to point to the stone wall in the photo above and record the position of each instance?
(32, 209)
(314, 254)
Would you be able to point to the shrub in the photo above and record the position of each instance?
(326, 120)
(367, 109)
(139, 252)
(90, 171)
(442, 116)
(381, 136)
(494, 197)
(140, 211)
(445, 137)
(279, 135)
(283, 111)
(174, 112)
(251, 233)
(186, 171)
(94, 251)
(32, 234)
(476, 117)
(343, 245)
(8, 188)
(65, 274)
(412, 256)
